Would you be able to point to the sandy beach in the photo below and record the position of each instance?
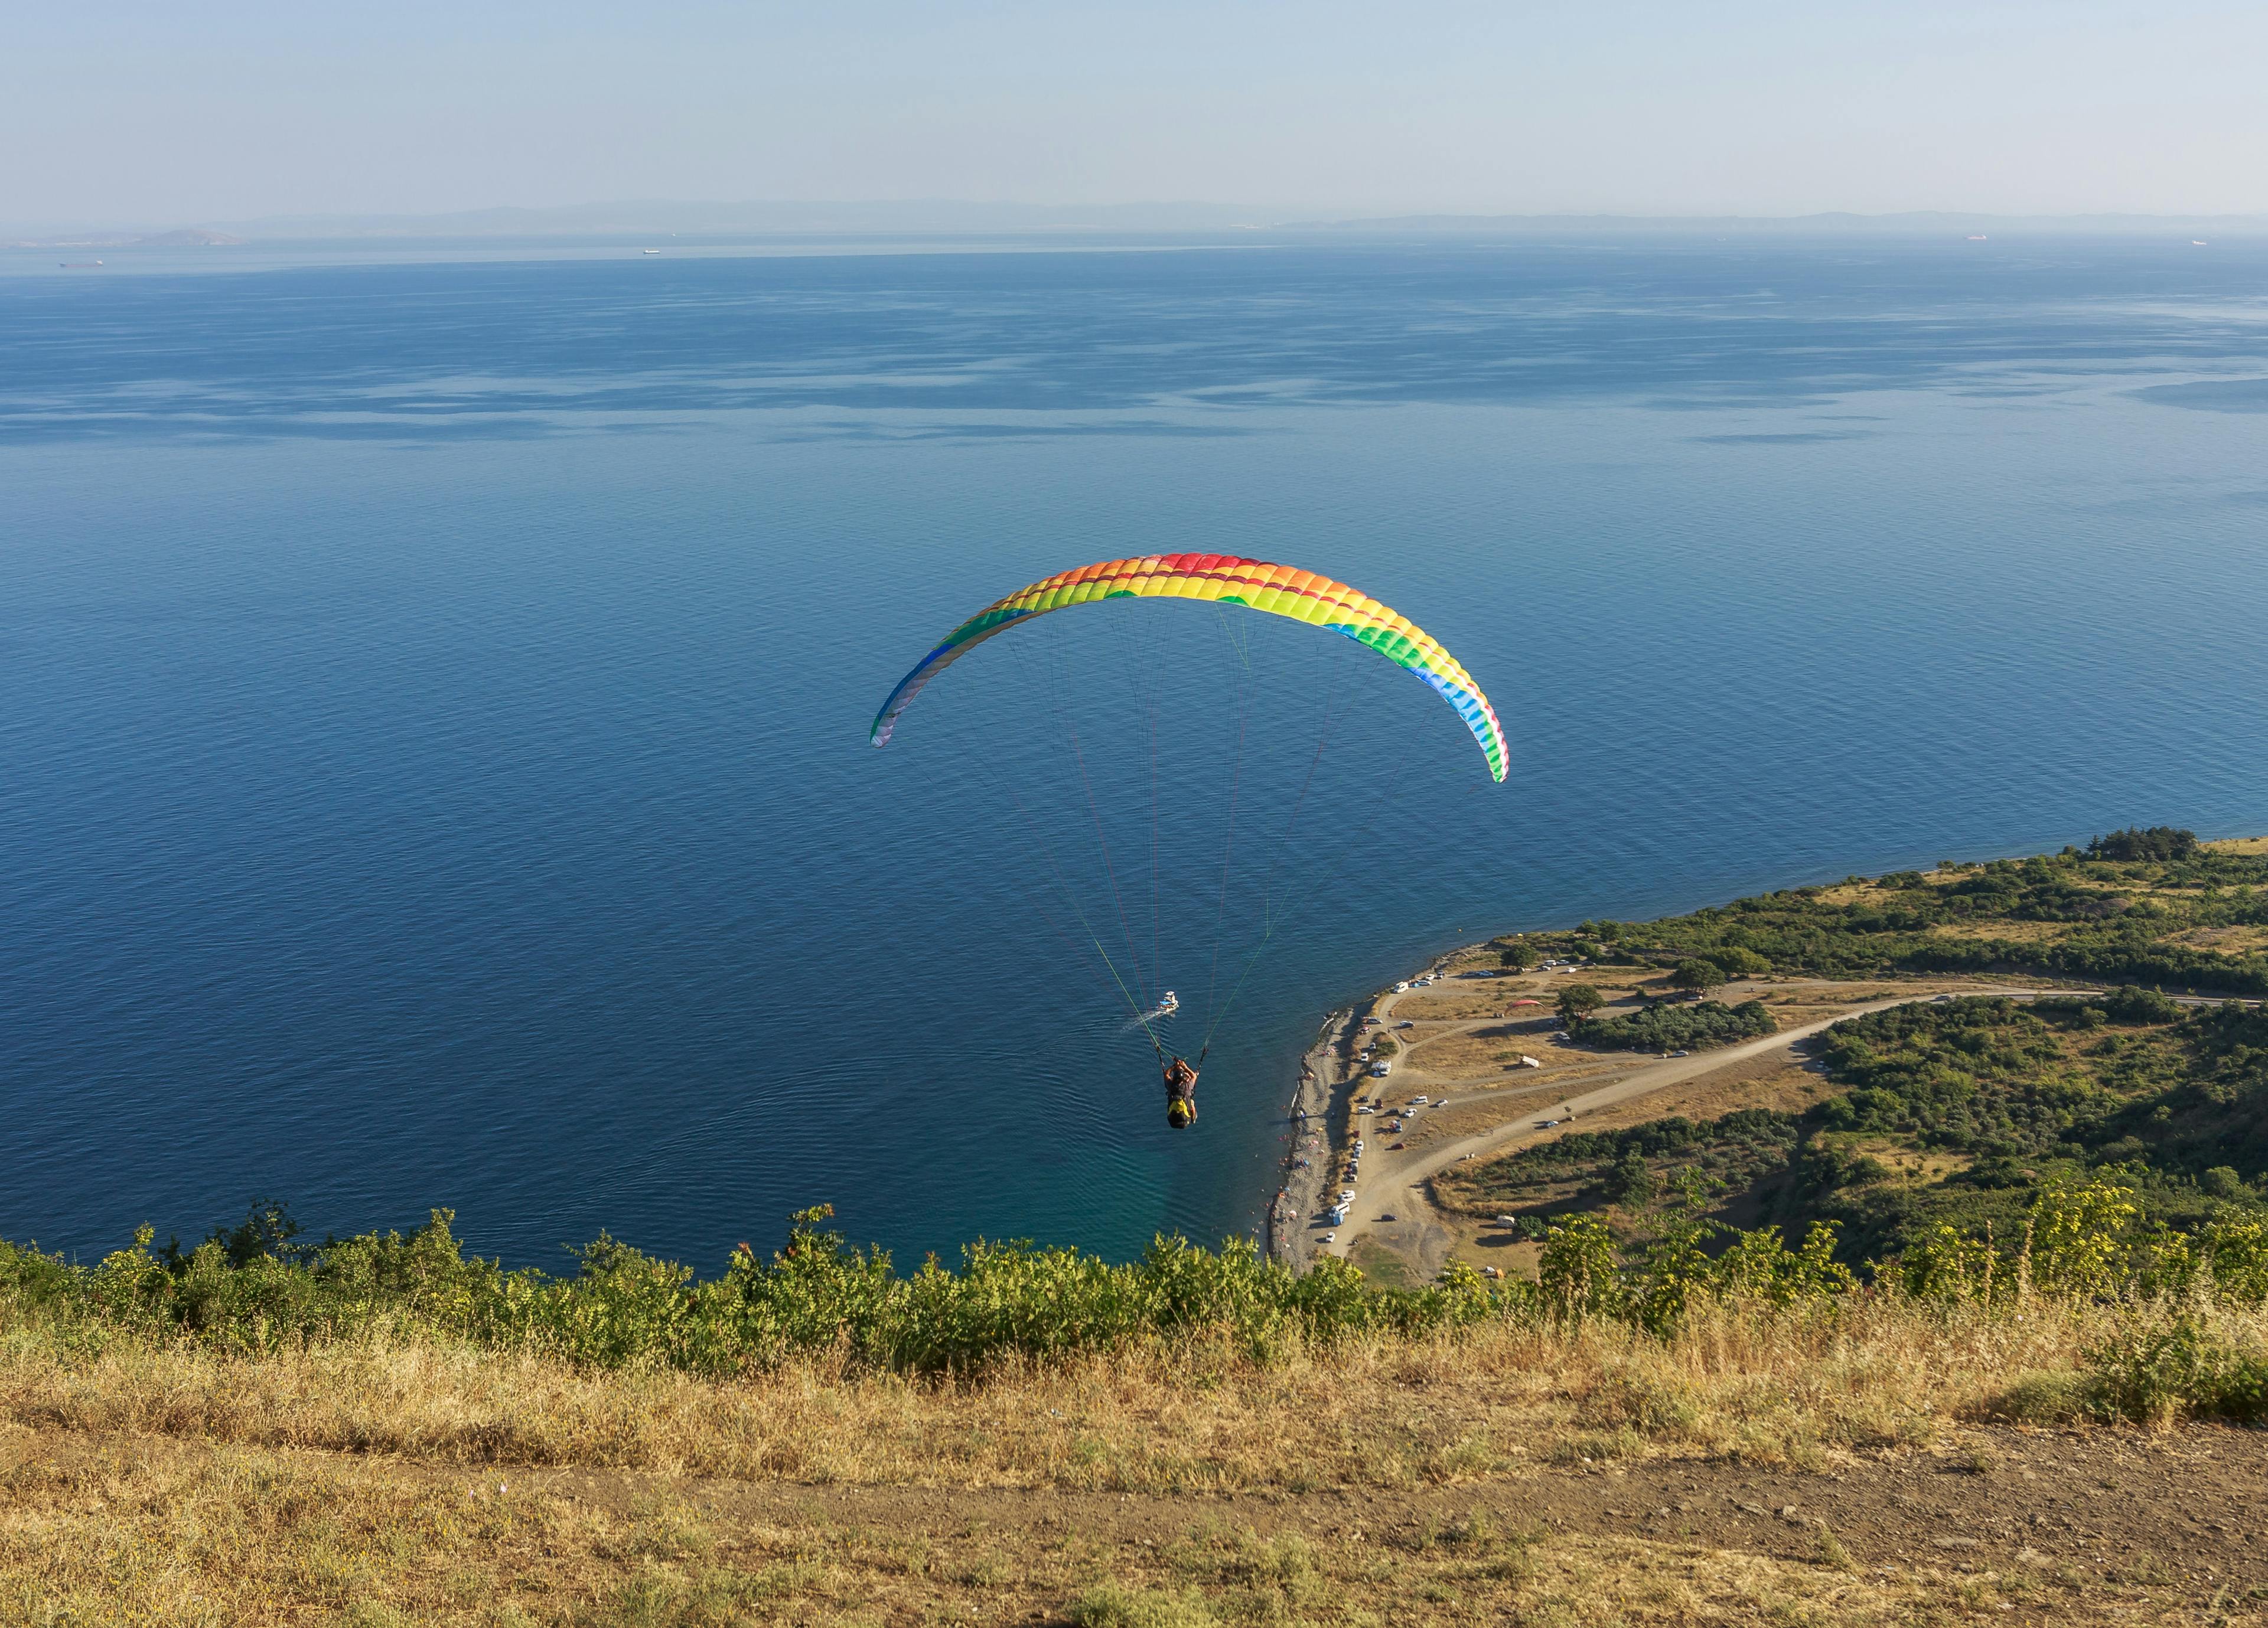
(1309, 1163)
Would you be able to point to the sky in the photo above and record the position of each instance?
(133, 112)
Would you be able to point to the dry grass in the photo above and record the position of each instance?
(2240, 940)
(218, 1538)
(1150, 1422)
(388, 1485)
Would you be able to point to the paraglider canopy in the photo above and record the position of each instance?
(1225, 579)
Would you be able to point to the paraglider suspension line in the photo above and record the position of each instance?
(1228, 844)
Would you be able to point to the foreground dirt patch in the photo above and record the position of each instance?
(2023, 1527)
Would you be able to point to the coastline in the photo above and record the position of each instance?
(1307, 1164)
(1459, 1045)
(1321, 1119)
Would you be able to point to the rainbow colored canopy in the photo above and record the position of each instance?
(1223, 579)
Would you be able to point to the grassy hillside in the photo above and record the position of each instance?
(182, 1440)
(2178, 915)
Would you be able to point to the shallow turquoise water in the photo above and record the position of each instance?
(436, 695)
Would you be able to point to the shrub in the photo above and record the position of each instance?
(2160, 842)
(1671, 1028)
(2154, 1370)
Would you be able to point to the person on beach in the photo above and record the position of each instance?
(1181, 1094)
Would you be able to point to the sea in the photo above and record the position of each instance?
(435, 685)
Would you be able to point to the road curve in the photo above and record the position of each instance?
(1393, 1183)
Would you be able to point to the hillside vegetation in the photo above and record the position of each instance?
(1960, 1111)
(382, 1432)
(2154, 908)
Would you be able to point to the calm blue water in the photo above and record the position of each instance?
(433, 763)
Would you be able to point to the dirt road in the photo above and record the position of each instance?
(1392, 1182)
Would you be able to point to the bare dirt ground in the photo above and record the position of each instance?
(2027, 1527)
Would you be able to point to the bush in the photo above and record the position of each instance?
(2222, 1181)
(2153, 1371)
(1688, 1028)
(816, 1295)
(2160, 842)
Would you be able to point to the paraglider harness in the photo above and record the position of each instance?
(1181, 1093)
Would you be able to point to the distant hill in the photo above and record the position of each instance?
(1911, 224)
(187, 236)
(656, 217)
(197, 237)
(929, 217)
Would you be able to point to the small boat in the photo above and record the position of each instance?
(648, 251)
(1168, 1002)
(2197, 243)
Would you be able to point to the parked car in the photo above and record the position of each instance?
(1379, 1071)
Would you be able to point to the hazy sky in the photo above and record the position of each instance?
(141, 111)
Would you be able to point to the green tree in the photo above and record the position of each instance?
(1631, 1181)
(2222, 1181)
(1516, 955)
(1698, 974)
(2160, 842)
(1738, 963)
(1578, 1002)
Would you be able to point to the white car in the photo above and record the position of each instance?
(1379, 1071)
(1401, 987)
(1421, 1099)
(1358, 1147)
(1366, 1108)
